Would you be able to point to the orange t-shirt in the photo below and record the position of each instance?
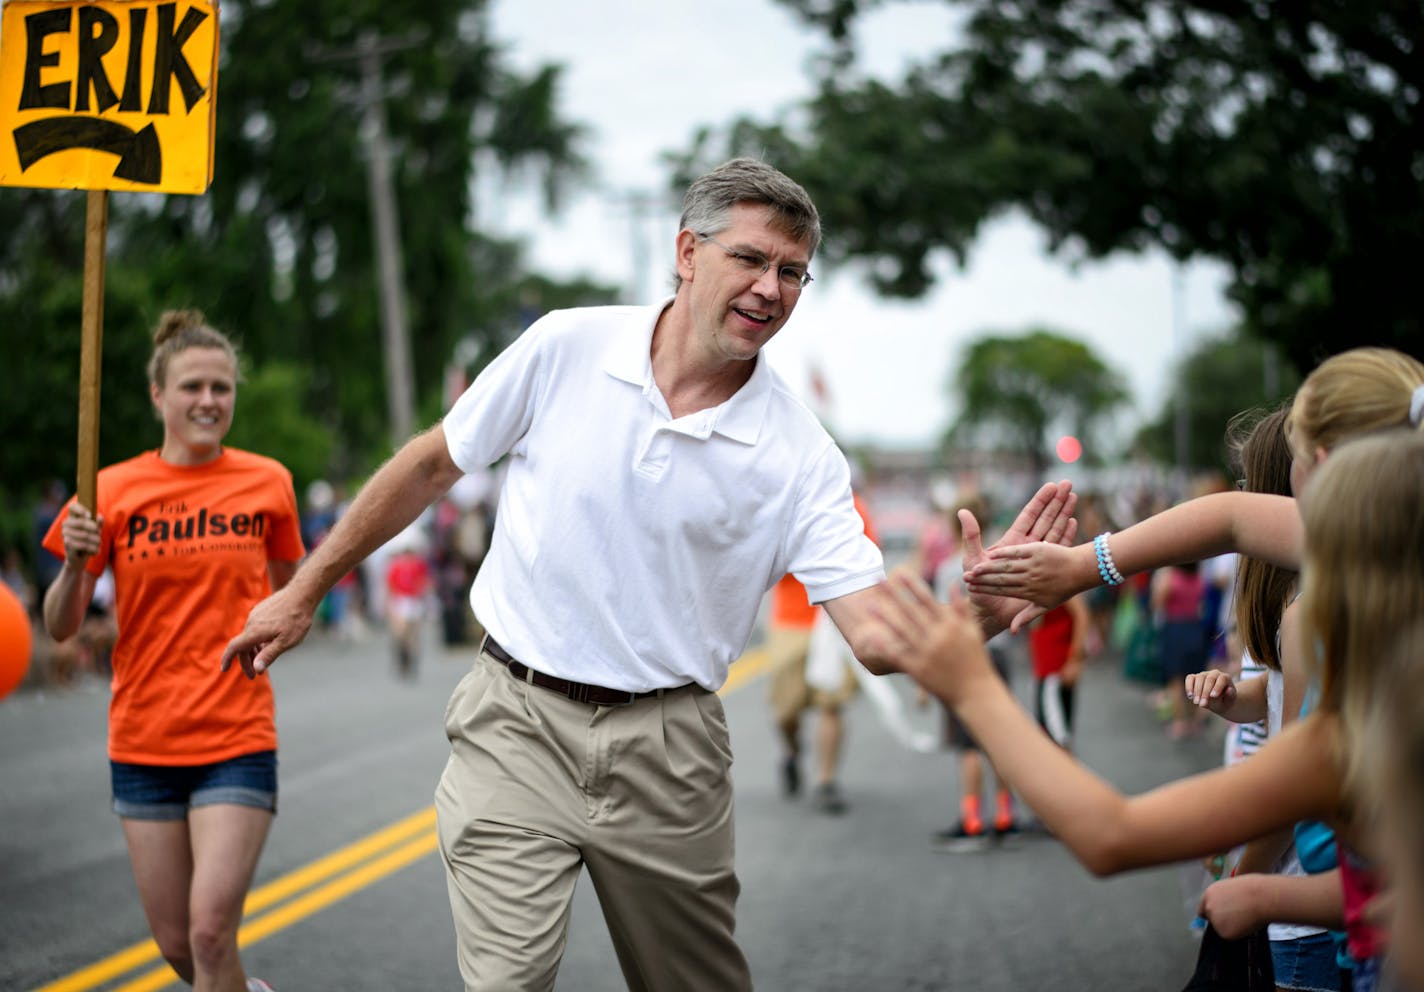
(189, 547)
(790, 606)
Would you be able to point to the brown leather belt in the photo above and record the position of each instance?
(579, 692)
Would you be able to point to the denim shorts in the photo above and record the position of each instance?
(167, 792)
(1306, 963)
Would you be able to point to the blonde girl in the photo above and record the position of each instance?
(1302, 950)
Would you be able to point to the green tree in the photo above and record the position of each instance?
(39, 416)
(279, 252)
(1221, 377)
(1019, 393)
(1282, 138)
(269, 417)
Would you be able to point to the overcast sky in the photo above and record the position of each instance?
(642, 76)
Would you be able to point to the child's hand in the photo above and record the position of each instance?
(1213, 690)
(1039, 572)
(1232, 907)
(1048, 516)
(1003, 611)
(940, 644)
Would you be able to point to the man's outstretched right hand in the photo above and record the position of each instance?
(278, 623)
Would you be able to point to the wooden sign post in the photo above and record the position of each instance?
(87, 101)
(91, 345)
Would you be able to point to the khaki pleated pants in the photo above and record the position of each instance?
(539, 786)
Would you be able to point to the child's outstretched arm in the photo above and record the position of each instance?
(1294, 777)
(1257, 525)
(1241, 905)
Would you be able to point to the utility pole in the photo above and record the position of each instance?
(1182, 422)
(368, 54)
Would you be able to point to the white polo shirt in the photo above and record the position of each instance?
(632, 550)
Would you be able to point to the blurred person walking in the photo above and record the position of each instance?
(968, 831)
(1177, 593)
(1056, 646)
(792, 622)
(408, 585)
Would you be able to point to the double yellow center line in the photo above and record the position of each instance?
(310, 889)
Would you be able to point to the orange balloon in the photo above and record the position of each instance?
(15, 641)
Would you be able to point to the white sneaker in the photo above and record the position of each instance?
(258, 985)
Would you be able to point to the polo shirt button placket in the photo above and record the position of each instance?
(653, 459)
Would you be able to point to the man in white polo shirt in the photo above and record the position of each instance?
(661, 478)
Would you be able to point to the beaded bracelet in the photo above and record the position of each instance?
(1106, 569)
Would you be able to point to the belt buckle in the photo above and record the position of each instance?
(578, 692)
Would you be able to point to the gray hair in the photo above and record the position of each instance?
(707, 207)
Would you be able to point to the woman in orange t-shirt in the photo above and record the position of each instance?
(195, 534)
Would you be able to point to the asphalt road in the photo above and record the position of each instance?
(855, 902)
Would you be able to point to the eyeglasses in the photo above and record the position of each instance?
(790, 276)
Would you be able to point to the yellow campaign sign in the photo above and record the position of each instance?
(113, 94)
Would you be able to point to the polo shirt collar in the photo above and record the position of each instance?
(630, 353)
(630, 359)
(741, 417)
